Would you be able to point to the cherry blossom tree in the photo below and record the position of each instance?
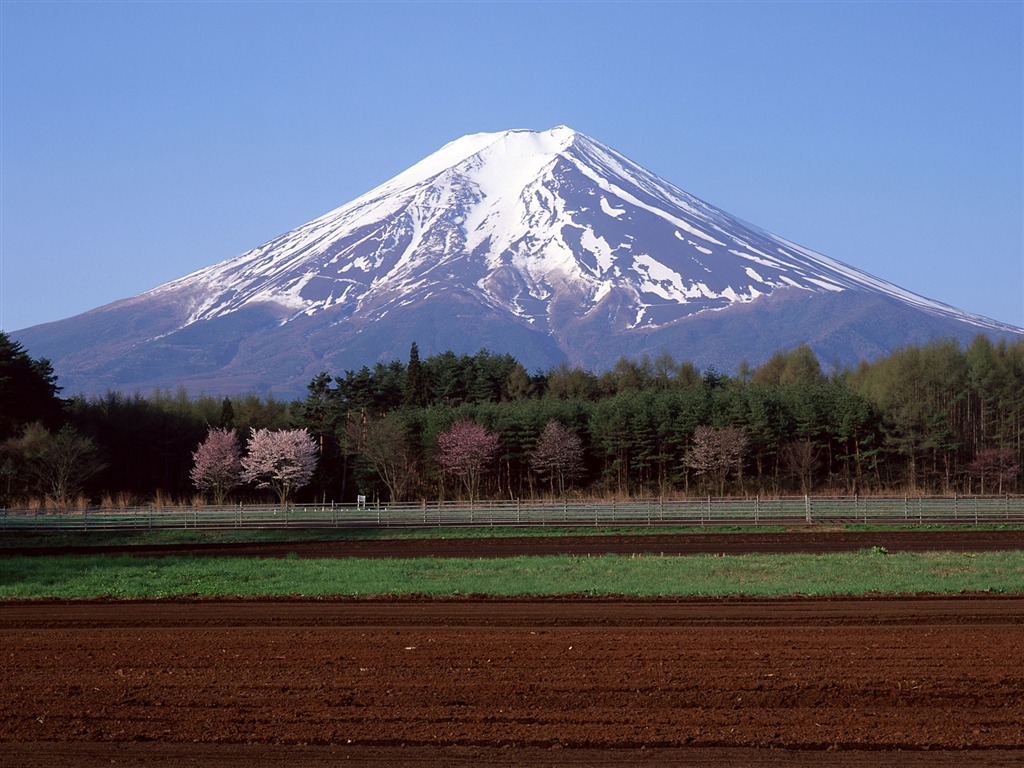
(217, 464)
(558, 455)
(282, 460)
(465, 450)
(716, 452)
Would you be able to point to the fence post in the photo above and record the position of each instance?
(807, 508)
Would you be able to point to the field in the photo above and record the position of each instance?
(791, 680)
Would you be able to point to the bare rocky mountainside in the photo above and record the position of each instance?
(546, 245)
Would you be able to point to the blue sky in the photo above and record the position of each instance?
(143, 141)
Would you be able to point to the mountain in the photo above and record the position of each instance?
(547, 245)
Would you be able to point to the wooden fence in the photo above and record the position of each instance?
(787, 511)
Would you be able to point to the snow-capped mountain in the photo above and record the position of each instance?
(547, 245)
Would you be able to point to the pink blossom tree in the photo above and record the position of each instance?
(465, 450)
(281, 460)
(558, 455)
(716, 452)
(217, 464)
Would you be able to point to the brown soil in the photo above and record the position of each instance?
(800, 540)
(854, 682)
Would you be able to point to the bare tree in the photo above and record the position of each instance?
(995, 465)
(281, 460)
(56, 465)
(558, 455)
(217, 464)
(716, 452)
(802, 458)
(465, 450)
(385, 448)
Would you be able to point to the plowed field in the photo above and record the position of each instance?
(600, 682)
(853, 682)
(798, 540)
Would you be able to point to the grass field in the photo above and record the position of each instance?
(865, 572)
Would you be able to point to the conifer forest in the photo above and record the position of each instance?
(932, 419)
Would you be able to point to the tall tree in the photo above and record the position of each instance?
(519, 385)
(28, 389)
(414, 392)
(227, 414)
(797, 366)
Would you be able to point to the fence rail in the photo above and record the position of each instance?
(789, 511)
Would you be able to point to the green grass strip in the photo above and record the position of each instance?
(869, 571)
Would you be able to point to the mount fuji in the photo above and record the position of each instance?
(547, 245)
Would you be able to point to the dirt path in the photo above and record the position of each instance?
(856, 682)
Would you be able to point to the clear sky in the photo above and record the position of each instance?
(143, 141)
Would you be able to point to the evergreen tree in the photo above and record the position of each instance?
(414, 392)
(28, 389)
(227, 415)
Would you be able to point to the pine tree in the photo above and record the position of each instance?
(414, 394)
(28, 389)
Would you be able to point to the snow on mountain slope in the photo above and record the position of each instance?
(523, 217)
(548, 245)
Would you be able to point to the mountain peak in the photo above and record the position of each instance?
(545, 244)
(511, 143)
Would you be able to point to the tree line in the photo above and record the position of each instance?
(935, 418)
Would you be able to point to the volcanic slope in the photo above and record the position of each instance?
(546, 245)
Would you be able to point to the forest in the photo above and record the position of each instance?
(931, 419)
